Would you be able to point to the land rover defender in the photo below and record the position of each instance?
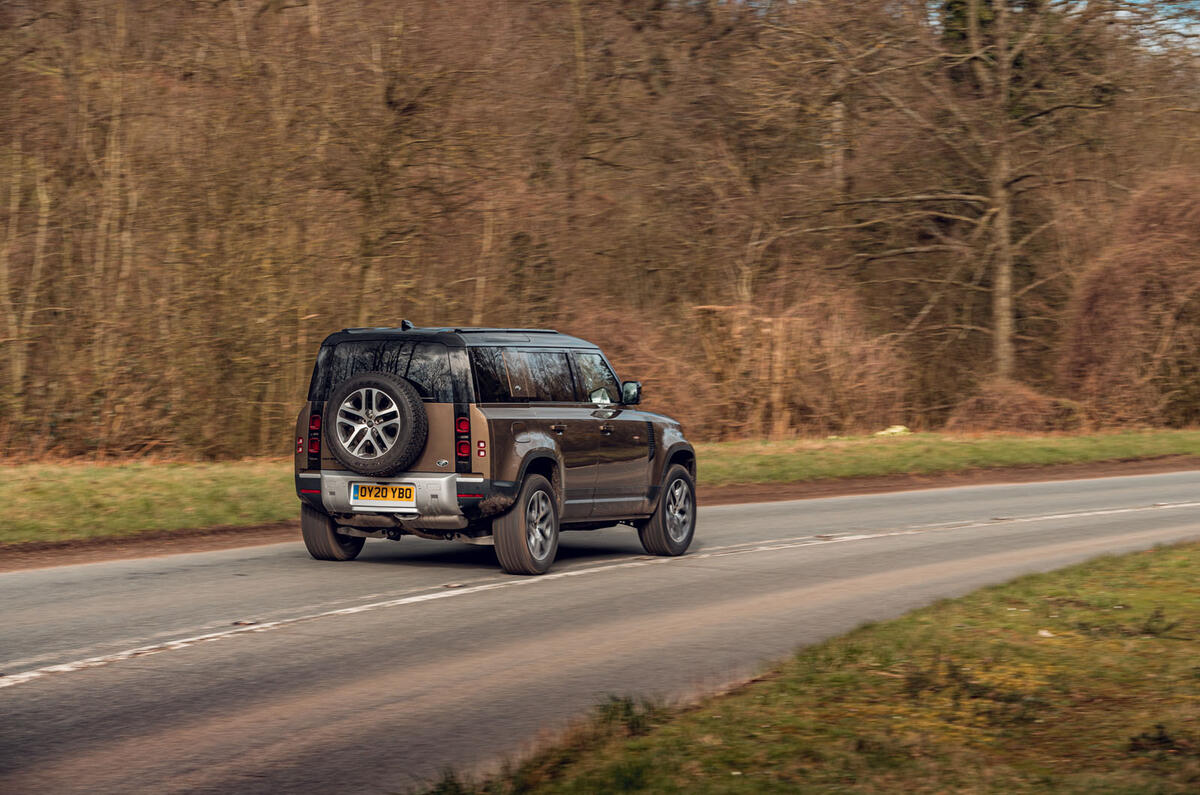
(490, 436)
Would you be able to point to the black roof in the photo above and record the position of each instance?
(463, 337)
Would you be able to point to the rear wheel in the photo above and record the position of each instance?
(526, 536)
(323, 540)
(669, 531)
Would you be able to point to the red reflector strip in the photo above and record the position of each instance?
(471, 496)
(310, 491)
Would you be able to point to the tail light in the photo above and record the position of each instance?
(299, 445)
(462, 439)
(314, 436)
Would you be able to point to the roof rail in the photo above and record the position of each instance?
(481, 330)
(405, 325)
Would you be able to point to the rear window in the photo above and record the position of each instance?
(509, 375)
(425, 364)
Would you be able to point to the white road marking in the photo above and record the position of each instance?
(11, 680)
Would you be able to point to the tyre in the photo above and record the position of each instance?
(323, 540)
(669, 531)
(375, 424)
(526, 537)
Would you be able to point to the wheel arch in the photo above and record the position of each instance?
(680, 453)
(684, 455)
(546, 464)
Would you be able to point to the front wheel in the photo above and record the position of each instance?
(322, 539)
(669, 531)
(526, 536)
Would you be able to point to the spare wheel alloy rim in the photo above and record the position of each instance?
(679, 510)
(368, 423)
(539, 523)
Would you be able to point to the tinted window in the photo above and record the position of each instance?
(598, 383)
(507, 375)
(549, 375)
(429, 372)
(425, 364)
(491, 376)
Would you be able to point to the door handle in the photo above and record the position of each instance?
(558, 428)
(606, 429)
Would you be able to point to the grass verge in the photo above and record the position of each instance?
(67, 501)
(926, 453)
(58, 502)
(1081, 680)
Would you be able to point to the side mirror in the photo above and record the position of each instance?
(631, 393)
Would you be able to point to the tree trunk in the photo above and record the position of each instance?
(1002, 278)
(1001, 195)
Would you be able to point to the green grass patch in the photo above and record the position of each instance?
(60, 501)
(925, 453)
(1082, 680)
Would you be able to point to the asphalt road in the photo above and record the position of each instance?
(262, 670)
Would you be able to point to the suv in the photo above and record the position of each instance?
(490, 436)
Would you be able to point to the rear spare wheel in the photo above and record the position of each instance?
(375, 423)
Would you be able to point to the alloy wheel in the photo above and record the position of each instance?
(539, 525)
(368, 423)
(679, 511)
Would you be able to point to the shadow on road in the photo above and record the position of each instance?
(573, 547)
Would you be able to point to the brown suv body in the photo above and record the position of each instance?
(501, 406)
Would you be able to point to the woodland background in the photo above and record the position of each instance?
(786, 218)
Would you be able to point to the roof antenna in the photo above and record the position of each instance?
(406, 325)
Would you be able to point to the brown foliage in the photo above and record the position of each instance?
(786, 218)
(1131, 350)
(1007, 405)
(735, 371)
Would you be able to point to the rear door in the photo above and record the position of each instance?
(426, 365)
(622, 440)
(532, 391)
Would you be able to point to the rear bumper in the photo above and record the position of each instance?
(443, 501)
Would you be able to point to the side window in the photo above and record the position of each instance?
(507, 375)
(599, 385)
(549, 376)
(520, 378)
(491, 376)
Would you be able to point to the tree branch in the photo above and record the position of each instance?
(1056, 108)
(969, 198)
(1069, 180)
(904, 252)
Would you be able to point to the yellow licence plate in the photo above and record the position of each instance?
(375, 492)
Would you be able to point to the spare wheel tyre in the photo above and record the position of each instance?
(375, 423)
